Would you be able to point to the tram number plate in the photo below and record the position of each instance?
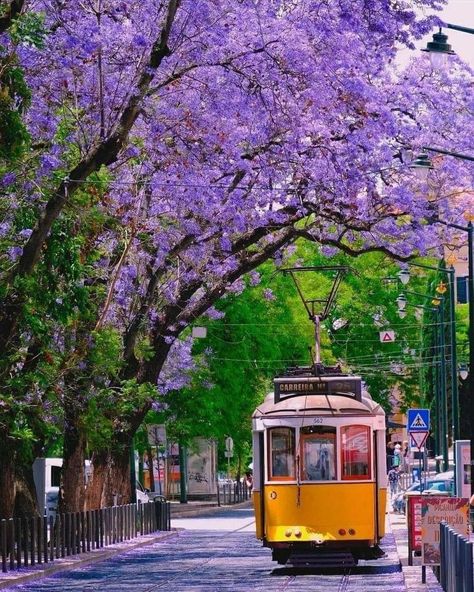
(317, 420)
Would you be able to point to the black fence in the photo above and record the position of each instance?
(233, 493)
(456, 570)
(29, 541)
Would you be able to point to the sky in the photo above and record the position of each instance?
(456, 12)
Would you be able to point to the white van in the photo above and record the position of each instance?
(47, 477)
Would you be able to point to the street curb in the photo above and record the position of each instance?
(15, 578)
(189, 511)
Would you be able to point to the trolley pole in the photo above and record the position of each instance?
(317, 339)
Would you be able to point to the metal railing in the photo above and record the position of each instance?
(31, 541)
(233, 493)
(456, 570)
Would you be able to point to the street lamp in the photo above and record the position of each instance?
(439, 49)
(401, 302)
(463, 372)
(422, 165)
(404, 276)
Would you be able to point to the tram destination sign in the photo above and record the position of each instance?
(288, 387)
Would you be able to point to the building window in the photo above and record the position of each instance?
(318, 453)
(282, 453)
(355, 452)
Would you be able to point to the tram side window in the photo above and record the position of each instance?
(282, 451)
(355, 447)
(318, 451)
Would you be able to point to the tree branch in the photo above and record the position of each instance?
(11, 13)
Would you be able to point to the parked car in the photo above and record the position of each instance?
(442, 482)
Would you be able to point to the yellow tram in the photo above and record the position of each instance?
(319, 468)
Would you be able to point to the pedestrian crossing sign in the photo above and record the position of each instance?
(418, 420)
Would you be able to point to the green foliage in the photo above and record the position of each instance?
(105, 354)
(257, 339)
(28, 28)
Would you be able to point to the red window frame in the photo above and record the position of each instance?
(345, 431)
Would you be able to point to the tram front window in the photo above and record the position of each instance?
(318, 452)
(282, 450)
(355, 446)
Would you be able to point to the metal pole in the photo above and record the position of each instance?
(317, 339)
(471, 344)
(443, 398)
(183, 497)
(133, 474)
(436, 377)
(454, 362)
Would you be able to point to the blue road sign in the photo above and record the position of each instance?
(418, 420)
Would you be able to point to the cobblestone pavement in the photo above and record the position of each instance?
(219, 553)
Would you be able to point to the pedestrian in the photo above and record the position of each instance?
(249, 480)
(394, 480)
(406, 457)
(397, 455)
(390, 451)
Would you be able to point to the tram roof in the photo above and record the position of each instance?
(303, 405)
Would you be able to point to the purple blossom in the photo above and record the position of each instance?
(268, 294)
(25, 233)
(14, 253)
(8, 179)
(255, 278)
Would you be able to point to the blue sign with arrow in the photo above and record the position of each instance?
(418, 420)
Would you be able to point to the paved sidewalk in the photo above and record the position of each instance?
(37, 572)
(397, 524)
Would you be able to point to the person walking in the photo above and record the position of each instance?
(394, 480)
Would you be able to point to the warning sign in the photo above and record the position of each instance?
(387, 336)
(418, 439)
(418, 420)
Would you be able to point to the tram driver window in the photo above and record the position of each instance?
(318, 452)
(282, 451)
(355, 447)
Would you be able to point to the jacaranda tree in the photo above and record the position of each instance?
(169, 148)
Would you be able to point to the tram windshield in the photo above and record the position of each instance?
(355, 452)
(282, 450)
(318, 451)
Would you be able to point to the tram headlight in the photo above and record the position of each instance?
(352, 531)
(298, 533)
(342, 531)
(288, 532)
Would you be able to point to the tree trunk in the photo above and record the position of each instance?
(110, 482)
(117, 485)
(96, 485)
(7, 479)
(26, 502)
(72, 494)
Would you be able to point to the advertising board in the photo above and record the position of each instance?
(434, 510)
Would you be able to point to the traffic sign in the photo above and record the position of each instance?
(156, 435)
(229, 444)
(228, 454)
(418, 439)
(387, 336)
(418, 420)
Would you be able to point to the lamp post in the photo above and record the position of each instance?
(469, 407)
(440, 348)
(404, 276)
(439, 49)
